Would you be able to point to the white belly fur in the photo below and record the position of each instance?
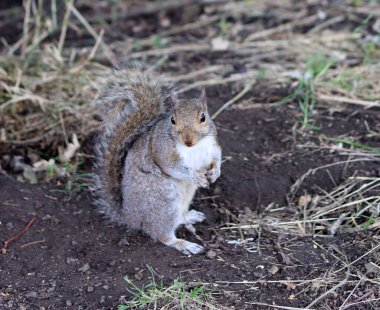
(199, 156)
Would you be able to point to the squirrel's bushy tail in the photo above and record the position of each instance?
(132, 101)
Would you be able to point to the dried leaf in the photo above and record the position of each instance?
(274, 269)
(69, 152)
(29, 174)
(219, 44)
(304, 200)
(43, 165)
(291, 285)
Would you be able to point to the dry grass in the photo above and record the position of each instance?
(45, 97)
(46, 90)
(351, 206)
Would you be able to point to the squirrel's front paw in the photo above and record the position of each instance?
(213, 173)
(194, 216)
(201, 180)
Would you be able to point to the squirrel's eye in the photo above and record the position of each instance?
(172, 120)
(203, 117)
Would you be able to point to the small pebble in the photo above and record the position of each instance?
(138, 276)
(45, 295)
(211, 254)
(90, 289)
(70, 260)
(69, 303)
(217, 190)
(123, 242)
(84, 268)
(50, 290)
(31, 295)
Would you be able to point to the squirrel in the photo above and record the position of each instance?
(154, 151)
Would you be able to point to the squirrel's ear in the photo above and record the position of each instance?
(202, 98)
(173, 99)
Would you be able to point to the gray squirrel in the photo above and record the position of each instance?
(154, 151)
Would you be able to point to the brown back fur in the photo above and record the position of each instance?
(133, 100)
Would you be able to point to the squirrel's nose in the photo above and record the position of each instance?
(187, 138)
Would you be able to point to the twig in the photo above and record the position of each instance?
(348, 297)
(362, 301)
(16, 46)
(365, 103)
(232, 78)
(65, 22)
(171, 50)
(62, 121)
(358, 259)
(299, 181)
(33, 98)
(318, 280)
(245, 90)
(38, 18)
(179, 29)
(370, 11)
(331, 290)
(330, 252)
(274, 306)
(32, 243)
(196, 73)
(37, 41)
(3, 250)
(285, 258)
(76, 70)
(25, 35)
(54, 14)
(282, 27)
(337, 223)
(152, 7)
(109, 54)
(327, 23)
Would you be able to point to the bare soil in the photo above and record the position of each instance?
(47, 266)
(71, 258)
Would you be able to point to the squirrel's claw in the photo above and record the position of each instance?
(184, 246)
(201, 180)
(213, 174)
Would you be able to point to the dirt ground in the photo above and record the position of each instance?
(71, 258)
(43, 268)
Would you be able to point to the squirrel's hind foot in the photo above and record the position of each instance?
(191, 248)
(182, 245)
